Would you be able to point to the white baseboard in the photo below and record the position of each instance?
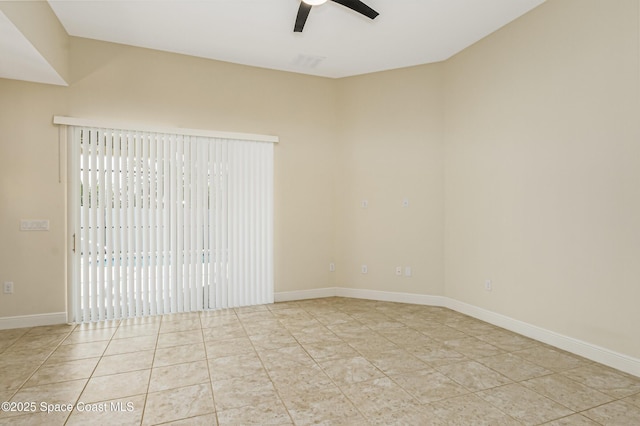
(22, 321)
(587, 350)
(316, 293)
(390, 296)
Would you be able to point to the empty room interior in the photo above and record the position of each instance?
(454, 241)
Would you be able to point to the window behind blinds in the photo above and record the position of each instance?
(169, 223)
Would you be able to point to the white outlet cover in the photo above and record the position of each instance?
(399, 270)
(407, 271)
(365, 269)
(405, 202)
(364, 204)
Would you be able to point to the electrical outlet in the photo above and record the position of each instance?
(488, 285)
(399, 271)
(8, 287)
(332, 267)
(365, 269)
(407, 271)
(364, 204)
(405, 202)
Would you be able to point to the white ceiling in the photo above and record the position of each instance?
(19, 60)
(336, 41)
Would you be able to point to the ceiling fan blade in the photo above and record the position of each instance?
(359, 7)
(303, 13)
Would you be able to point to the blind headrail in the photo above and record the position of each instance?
(82, 122)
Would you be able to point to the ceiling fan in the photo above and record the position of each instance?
(305, 8)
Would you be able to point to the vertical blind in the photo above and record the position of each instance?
(169, 223)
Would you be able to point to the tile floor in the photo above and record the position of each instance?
(325, 361)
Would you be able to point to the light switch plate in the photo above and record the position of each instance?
(34, 225)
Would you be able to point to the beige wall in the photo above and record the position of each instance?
(519, 156)
(391, 128)
(542, 172)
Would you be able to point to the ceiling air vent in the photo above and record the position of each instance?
(307, 61)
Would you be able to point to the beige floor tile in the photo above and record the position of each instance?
(396, 361)
(469, 410)
(66, 353)
(51, 329)
(272, 364)
(261, 414)
(617, 413)
(378, 397)
(327, 406)
(167, 340)
(524, 405)
(228, 347)
(36, 419)
(413, 415)
(429, 385)
(473, 348)
(514, 367)
(437, 354)
(440, 332)
(473, 375)
(508, 341)
(551, 359)
(300, 380)
(38, 341)
(321, 351)
(405, 337)
(179, 354)
(123, 411)
(204, 420)
(50, 394)
(15, 356)
(13, 376)
(131, 344)
(97, 325)
(224, 332)
(178, 375)
(372, 343)
(176, 404)
(12, 334)
(287, 357)
(605, 380)
(350, 370)
(319, 333)
(72, 370)
(123, 363)
(634, 399)
(567, 392)
(573, 420)
(234, 366)
(243, 391)
(189, 323)
(87, 336)
(332, 317)
(274, 340)
(136, 330)
(216, 319)
(472, 326)
(116, 386)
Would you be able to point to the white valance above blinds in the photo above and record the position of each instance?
(83, 122)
